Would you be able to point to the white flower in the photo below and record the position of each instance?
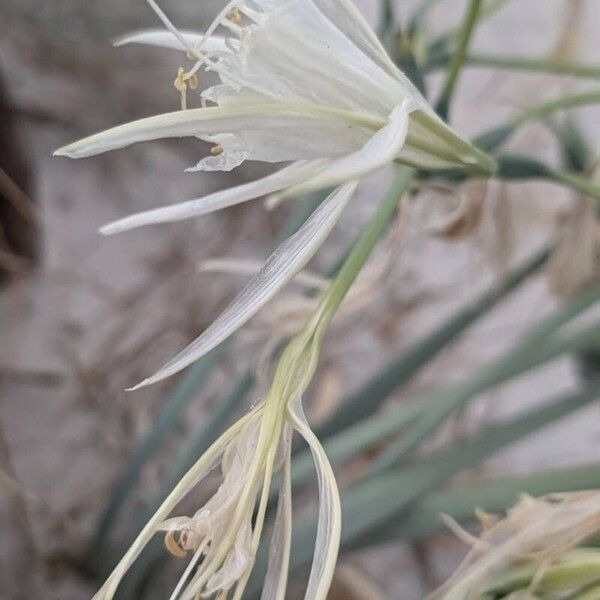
(302, 81)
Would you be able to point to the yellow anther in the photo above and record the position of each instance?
(234, 15)
(216, 150)
(172, 545)
(183, 80)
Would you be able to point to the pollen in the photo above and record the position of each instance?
(234, 15)
(217, 149)
(173, 546)
(185, 80)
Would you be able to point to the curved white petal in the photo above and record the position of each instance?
(288, 117)
(298, 53)
(378, 152)
(279, 269)
(165, 39)
(239, 266)
(217, 201)
(330, 512)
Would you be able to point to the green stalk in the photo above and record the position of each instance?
(458, 59)
(363, 248)
(494, 138)
(443, 45)
(533, 65)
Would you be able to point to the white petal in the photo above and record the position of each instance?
(292, 119)
(275, 583)
(349, 20)
(378, 152)
(165, 39)
(216, 201)
(298, 53)
(330, 512)
(280, 268)
(239, 266)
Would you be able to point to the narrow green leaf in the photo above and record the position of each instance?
(464, 454)
(368, 399)
(169, 416)
(524, 357)
(378, 502)
(576, 153)
(493, 496)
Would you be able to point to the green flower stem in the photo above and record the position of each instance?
(564, 102)
(446, 42)
(494, 138)
(459, 57)
(524, 63)
(365, 244)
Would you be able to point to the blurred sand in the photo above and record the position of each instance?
(102, 313)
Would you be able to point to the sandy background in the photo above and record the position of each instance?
(99, 314)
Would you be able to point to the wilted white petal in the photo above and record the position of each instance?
(182, 489)
(214, 120)
(378, 152)
(280, 268)
(235, 565)
(218, 200)
(330, 512)
(165, 39)
(275, 583)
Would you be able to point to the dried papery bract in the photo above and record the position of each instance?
(537, 536)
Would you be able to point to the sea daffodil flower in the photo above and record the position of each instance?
(302, 81)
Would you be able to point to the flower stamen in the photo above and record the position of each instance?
(234, 15)
(173, 545)
(217, 149)
(184, 80)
